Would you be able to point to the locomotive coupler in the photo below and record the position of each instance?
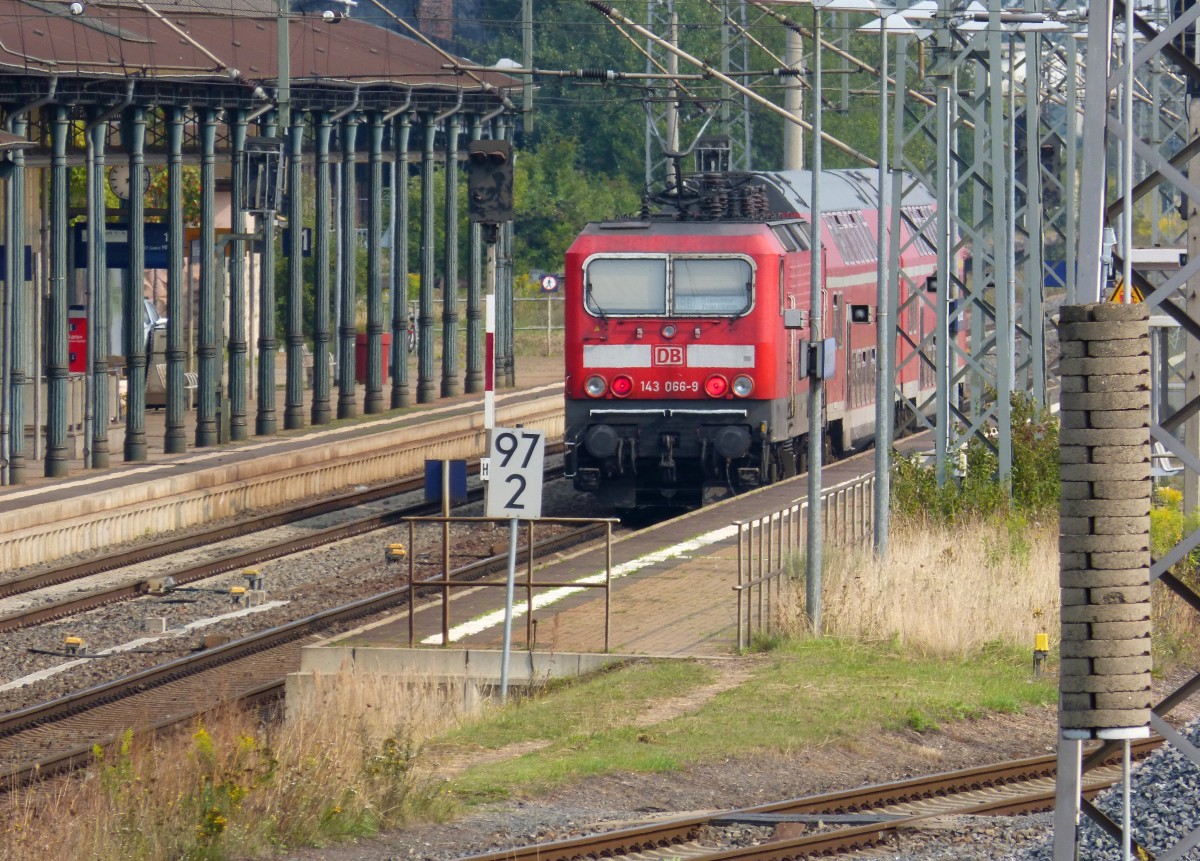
(666, 465)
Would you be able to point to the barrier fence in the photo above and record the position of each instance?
(767, 544)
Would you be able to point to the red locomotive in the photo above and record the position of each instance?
(682, 382)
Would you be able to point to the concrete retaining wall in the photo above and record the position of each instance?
(475, 671)
(42, 533)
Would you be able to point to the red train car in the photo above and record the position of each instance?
(682, 382)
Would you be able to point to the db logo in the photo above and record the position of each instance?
(668, 354)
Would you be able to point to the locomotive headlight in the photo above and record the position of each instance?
(595, 386)
(716, 386)
(743, 386)
(622, 386)
(668, 331)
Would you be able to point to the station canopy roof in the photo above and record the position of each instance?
(231, 42)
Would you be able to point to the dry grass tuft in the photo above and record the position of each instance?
(946, 590)
(232, 786)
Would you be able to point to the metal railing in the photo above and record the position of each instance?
(549, 316)
(767, 544)
(527, 554)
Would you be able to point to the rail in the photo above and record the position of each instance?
(768, 544)
(889, 811)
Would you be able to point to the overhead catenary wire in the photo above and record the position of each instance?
(608, 11)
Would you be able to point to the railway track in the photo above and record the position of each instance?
(861, 822)
(63, 731)
(136, 587)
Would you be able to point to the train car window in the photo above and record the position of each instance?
(626, 285)
(711, 285)
(799, 231)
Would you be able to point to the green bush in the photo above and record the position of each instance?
(976, 490)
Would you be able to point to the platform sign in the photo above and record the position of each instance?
(515, 463)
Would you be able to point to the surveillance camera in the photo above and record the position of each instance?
(328, 16)
(76, 8)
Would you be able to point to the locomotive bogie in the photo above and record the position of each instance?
(661, 454)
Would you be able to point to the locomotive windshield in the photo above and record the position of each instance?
(681, 286)
(627, 285)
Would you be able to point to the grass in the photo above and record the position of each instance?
(234, 787)
(938, 594)
(806, 693)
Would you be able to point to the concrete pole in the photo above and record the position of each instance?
(814, 537)
(883, 325)
(1001, 178)
(1035, 272)
(527, 62)
(793, 96)
(944, 245)
(321, 411)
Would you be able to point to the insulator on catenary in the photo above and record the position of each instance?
(596, 74)
(787, 73)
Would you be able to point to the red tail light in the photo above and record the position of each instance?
(622, 386)
(716, 386)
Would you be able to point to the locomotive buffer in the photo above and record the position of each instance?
(514, 491)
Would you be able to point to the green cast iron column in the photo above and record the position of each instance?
(426, 393)
(175, 440)
(474, 378)
(209, 377)
(347, 406)
(131, 315)
(239, 346)
(293, 412)
(450, 382)
(374, 398)
(16, 289)
(56, 316)
(98, 325)
(401, 392)
(264, 422)
(321, 337)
